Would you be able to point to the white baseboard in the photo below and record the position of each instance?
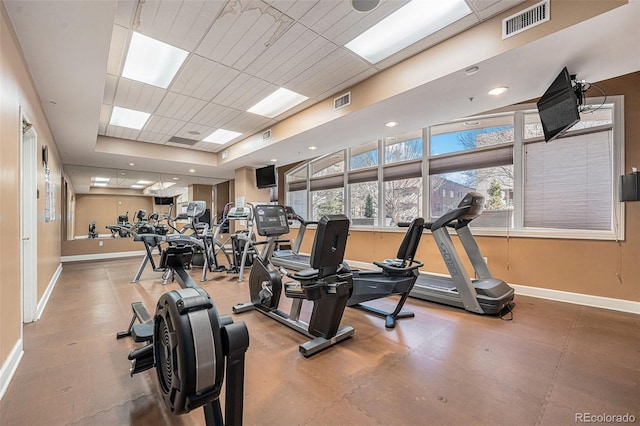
(102, 256)
(578, 298)
(48, 291)
(557, 295)
(10, 366)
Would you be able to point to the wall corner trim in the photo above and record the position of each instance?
(47, 293)
(10, 366)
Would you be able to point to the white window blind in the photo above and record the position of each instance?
(568, 183)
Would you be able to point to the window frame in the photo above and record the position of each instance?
(617, 232)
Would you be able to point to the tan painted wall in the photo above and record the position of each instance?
(17, 90)
(599, 268)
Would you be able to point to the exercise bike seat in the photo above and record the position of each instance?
(306, 274)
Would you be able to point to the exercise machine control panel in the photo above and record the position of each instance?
(271, 220)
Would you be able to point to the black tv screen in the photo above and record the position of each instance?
(266, 177)
(162, 201)
(558, 107)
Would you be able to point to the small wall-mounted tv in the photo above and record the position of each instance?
(558, 107)
(162, 201)
(266, 177)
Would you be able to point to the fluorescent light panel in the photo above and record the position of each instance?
(278, 102)
(152, 61)
(101, 179)
(221, 136)
(137, 186)
(100, 184)
(412, 22)
(144, 182)
(130, 118)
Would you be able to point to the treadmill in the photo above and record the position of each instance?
(292, 259)
(484, 295)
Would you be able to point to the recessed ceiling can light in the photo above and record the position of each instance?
(471, 71)
(391, 123)
(498, 91)
(152, 61)
(132, 164)
(407, 25)
(313, 147)
(192, 170)
(364, 5)
(273, 160)
(175, 178)
(278, 102)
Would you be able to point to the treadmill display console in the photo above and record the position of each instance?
(271, 220)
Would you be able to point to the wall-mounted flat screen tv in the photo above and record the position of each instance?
(162, 201)
(558, 107)
(266, 177)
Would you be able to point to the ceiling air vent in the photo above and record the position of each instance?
(183, 141)
(342, 101)
(266, 135)
(525, 19)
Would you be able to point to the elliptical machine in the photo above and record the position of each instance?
(190, 345)
(322, 284)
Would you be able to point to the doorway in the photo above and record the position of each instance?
(28, 219)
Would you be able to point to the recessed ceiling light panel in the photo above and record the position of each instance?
(152, 62)
(221, 136)
(407, 25)
(130, 118)
(278, 102)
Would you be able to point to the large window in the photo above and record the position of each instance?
(566, 188)
(473, 156)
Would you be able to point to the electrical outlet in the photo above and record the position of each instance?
(100, 243)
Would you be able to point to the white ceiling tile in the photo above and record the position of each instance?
(226, 30)
(138, 96)
(295, 9)
(214, 115)
(264, 33)
(122, 132)
(151, 137)
(480, 5)
(156, 18)
(318, 11)
(105, 113)
(203, 78)
(125, 12)
(244, 92)
(306, 60)
(284, 49)
(248, 123)
(342, 9)
(163, 125)
(179, 106)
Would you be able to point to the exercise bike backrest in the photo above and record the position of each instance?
(333, 231)
(471, 206)
(410, 242)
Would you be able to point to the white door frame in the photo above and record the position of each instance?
(28, 219)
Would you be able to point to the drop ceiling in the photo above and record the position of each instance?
(241, 51)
